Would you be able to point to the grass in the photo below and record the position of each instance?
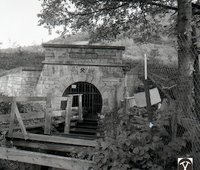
(32, 56)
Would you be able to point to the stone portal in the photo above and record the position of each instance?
(74, 68)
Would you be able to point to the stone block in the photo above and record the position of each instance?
(77, 50)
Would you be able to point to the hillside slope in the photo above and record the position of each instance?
(32, 56)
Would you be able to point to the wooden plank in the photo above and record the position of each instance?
(51, 146)
(21, 124)
(48, 115)
(28, 126)
(68, 115)
(25, 116)
(148, 99)
(61, 99)
(26, 99)
(56, 139)
(12, 118)
(45, 159)
(21, 99)
(74, 95)
(32, 126)
(57, 113)
(80, 107)
(125, 109)
(32, 115)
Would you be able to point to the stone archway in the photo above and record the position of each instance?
(91, 99)
(101, 66)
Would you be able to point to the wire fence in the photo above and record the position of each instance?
(181, 97)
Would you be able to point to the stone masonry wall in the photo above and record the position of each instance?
(20, 83)
(98, 65)
(71, 54)
(68, 64)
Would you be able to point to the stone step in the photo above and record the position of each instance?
(78, 130)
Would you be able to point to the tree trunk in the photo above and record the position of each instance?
(185, 57)
(196, 74)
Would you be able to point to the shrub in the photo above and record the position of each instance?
(130, 144)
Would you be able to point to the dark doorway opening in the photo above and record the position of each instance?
(91, 100)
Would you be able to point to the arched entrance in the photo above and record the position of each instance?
(91, 101)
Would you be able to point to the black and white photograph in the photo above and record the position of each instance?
(99, 84)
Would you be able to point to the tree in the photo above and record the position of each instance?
(185, 57)
(105, 19)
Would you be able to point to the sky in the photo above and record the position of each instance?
(19, 24)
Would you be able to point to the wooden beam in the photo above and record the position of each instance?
(61, 98)
(31, 99)
(56, 139)
(80, 107)
(28, 126)
(12, 118)
(45, 159)
(57, 113)
(25, 116)
(48, 115)
(148, 99)
(75, 95)
(32, 115)
(21, 99)
(21, 124)
(50, 146)
(68, 115)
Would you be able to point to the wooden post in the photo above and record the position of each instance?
(12, 118)
(148, 100)
(80, 107)
(145, 66)
(21, 124)
(125, 69)
(48, 114)
(147, 92)
(68, 115)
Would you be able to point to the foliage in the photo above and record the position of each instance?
(131, 144)
(141, 19)
(5, 107)
(13, 58)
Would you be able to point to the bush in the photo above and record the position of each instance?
(130, 144)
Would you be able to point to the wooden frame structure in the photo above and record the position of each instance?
(46, 140)
(50, 113)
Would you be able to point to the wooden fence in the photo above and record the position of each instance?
(46, 140)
